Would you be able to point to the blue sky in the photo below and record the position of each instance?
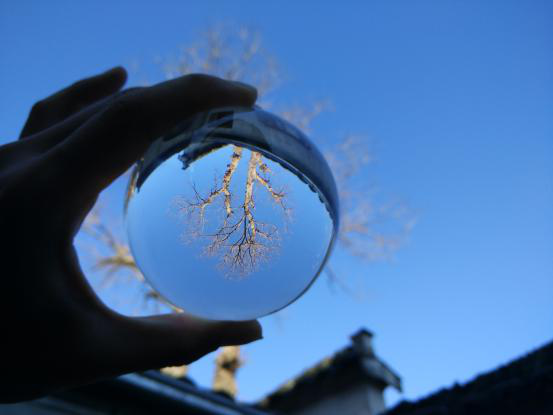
(457, 100)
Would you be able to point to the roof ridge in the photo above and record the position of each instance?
(502, 377)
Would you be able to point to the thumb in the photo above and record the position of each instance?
(153, 342)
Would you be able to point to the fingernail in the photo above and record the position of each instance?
(115, 70)
(254, 340)
(254, 332)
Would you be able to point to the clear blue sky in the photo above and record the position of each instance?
(457, 98)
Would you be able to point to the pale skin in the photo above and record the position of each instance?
(56, 333)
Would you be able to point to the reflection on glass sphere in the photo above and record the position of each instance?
(232, 215)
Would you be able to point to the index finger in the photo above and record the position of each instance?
(72, 99)
(110, 142)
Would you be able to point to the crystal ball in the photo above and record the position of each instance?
(232, 214)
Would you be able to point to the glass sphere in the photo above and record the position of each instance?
(232, 215)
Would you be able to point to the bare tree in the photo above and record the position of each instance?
(242, 242)
(237, 55)
(118, 258)
(227, 364)
(369, 230)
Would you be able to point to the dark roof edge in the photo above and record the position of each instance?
(151, 390)
(379, 370)
(533, 354)
(187, 393)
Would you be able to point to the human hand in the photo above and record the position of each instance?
(56, 333)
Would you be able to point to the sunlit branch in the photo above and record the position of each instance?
(119, 257)
(242, 241)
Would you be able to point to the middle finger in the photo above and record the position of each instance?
(52, 136)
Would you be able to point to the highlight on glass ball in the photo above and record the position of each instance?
(232, 215)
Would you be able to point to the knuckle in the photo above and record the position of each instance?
(79, 85)
(39, 108)
(200, 80)
(22, 189)
(131, 91)
(125, 115)
(125, 107)
(74, 94)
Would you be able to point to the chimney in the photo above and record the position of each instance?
(362, 342)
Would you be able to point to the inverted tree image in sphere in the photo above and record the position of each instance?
(232, 215)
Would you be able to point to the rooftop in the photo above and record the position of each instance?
(141, 393)
(355, 364)
(524, 386)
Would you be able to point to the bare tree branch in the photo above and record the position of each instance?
(232, 54)
(242, 242)
(368, 230)
(120, 257)
(303, 116)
